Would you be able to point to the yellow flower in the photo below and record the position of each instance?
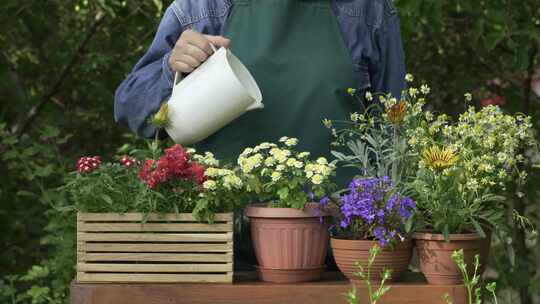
(291, 142)
(369, 96)
(209, 185)
(270, 161)
(439, 159)
(397, 112)
(211, 172)
(468, 96)
(351, 91)
(276, 176)
(247, 151)
(291, 162)
(409, 78)
(303, 154)
(160, 120)
(322, 161)
(327, 123)
(317, 179)
(425, 89)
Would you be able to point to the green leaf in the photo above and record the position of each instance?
(107, 199)
(478, 228)
(283, 193)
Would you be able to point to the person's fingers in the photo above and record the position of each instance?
(218, 41)
(195, 52)
(200, 41)
(192, 62)
(181, 67)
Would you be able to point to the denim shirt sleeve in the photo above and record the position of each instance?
(388, 73)
(150, 83)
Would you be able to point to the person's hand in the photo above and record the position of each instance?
(192, 49)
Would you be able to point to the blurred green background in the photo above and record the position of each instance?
(61, 61)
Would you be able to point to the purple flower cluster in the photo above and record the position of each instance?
(372, 209)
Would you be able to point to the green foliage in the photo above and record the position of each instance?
(471, 280)
(365, 275)
(117, 188)
(488, 48)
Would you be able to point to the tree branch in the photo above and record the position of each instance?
(21, 127)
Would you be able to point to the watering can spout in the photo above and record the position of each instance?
(257, 104)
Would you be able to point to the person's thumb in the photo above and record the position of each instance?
(218, 41)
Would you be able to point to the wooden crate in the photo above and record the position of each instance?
(167, 248)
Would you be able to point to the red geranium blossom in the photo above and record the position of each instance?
(496, 101)
(175, 164)
(144, 174)
(197, 173)
(87, 164)
(128, 161)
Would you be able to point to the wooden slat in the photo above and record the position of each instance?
(160, 278)
(153, 227)
(114, 247)
(161, 268)
(155, 257)
(155, 237)
(137, 217)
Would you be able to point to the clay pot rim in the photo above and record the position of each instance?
(432, 236)
(261, 210)
(342, 243)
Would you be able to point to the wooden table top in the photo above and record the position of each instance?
(247, 289)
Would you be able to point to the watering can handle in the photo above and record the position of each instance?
(178, 76)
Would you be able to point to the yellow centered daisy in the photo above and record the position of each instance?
(396, 113)
(439, 159)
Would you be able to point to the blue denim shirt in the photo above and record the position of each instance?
(370, 30)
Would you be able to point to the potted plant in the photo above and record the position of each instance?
(165, 219)
(368, 214)
(289, 240)
(375, 208)
(463, 170)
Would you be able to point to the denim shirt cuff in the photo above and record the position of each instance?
(167, 71)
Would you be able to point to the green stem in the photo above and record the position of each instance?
(368, 281)
(494, 297)
(156, 145)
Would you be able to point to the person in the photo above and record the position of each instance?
(304, 54)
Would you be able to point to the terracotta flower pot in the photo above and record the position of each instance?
(348, 252)
(290, 244)
(435, 255)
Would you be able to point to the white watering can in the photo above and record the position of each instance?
(213, 95)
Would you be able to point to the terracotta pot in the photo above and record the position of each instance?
(290, 244)
(348, 252)
(435, 255)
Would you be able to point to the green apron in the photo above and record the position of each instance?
(295, 51)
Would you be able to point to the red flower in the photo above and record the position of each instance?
(144, 173)
(127, 161)
(87, 164)
(177, 160)
(175, 164)
(197, 173)
(496, 101)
